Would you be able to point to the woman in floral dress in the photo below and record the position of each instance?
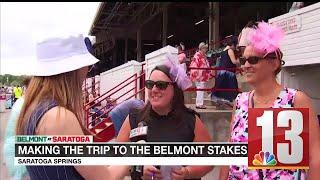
(199, 76)
(261, 62)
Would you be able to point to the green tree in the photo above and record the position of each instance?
(14, 83)
(8, 79)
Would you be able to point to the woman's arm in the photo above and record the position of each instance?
(232, 56)
(201, 135)
(60, 121)
(182, 58)
(303, 101)
(124, 133)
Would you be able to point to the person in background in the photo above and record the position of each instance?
(94, 111)
(119, 113)
(111, 103)
(261, 62)
(296, 6)
(53, 104)
(167, 118)
(97, 101)
(24, 87)
(9, 97)
(14, 90)
(98, 110)
(200, 77)
(226, 79)
(15, 172)
(2, 90)
(17, 92)
(182, 58)
(91, 99)
(10, 91)
(2, 96)
(181, 54)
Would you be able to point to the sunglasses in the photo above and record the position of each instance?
(162, 85)
(251, 60)
(255, 60)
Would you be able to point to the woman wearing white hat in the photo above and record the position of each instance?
(53, 104)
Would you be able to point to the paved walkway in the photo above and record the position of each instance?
(3, 124)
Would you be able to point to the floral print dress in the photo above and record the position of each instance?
(239, 133)
(200, 61)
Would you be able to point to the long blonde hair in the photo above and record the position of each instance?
(65, 89)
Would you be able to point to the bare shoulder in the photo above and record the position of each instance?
(200, 131)
(230, 51)
(302, 100)
(198, 122)
(59, 121)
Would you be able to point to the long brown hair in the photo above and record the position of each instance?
(65, 89)
(177, 103)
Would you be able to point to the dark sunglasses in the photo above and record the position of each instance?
(251, 60)
(255, 60)
(162, 85)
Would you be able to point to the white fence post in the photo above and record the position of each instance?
(113, 77)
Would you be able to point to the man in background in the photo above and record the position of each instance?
(17, 91)
(119, 113)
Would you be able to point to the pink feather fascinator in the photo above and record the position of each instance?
(265, 38)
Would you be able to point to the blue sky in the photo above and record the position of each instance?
(25, 24)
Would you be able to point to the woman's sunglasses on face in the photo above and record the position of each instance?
(162, 85)
(255, 59)
(251, 60)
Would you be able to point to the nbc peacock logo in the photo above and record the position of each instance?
(264, 159)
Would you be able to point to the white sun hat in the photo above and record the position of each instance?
(59, 55)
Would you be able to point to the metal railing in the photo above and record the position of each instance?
(237, 70)
(92, 85)
(97, 100)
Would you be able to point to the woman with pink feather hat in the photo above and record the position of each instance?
(261, 62)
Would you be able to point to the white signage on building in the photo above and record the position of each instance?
(290, 25)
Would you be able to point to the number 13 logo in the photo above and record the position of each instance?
(278, 138)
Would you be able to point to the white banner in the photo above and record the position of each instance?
(58, 161)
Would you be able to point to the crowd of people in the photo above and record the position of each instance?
(12, 93)
(225, 87)
(52, 104)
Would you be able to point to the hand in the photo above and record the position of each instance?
(151, 173)
(181, 173)
(213, 73)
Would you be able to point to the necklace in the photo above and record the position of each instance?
(265, 101)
